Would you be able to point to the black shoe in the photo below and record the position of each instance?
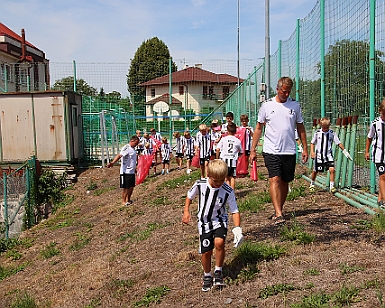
(207, 283)
(218, 279)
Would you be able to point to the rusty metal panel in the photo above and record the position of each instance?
(50, 127)
(16, 125)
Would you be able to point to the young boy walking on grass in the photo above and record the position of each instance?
(376, 140)
(213, 195)
(229, 149)
(323, 157)
(166, 152)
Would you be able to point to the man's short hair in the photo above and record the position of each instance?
(287, 81)
(217, 169)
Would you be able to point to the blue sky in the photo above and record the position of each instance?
(112, 30)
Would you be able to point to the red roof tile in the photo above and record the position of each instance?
(193, 74)
(164, 98)
(4, 30)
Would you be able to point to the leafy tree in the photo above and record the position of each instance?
(150, 61)
(347, 77)
(67, 84)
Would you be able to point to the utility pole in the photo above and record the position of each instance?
(267, 49)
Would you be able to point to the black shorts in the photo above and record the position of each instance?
(206, 240)
(231, 171)
(202, 161)
(166, 161)
(179, 155)
(189, 157)
(127, 180)
(380, 168)
(247, 153)
(280, 165)
(321, 167)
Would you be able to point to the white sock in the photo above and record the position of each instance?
(218, 268)
(208, 274)
(311, 182)
(331, 184)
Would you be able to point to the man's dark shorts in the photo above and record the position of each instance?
(127, 180)
(206, 240)
(179, 155)
(280, 165)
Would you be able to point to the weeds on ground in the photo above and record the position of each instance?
(101, 191)
(346, 269)
(275, 289)
(81, 241)
(153, 295)
(9, 271)
(23, 300)
(296, 234)
(95, 302)
(254, 203)
(378, 222)
(296, 192)
(185, 179)
(311, 272)
(92, 185)
(244, 263)
(11, 243)
(345, 296)
(120, 287)
(50, 251)
(141, 235)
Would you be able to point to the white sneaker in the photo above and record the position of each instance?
(167, 172)
(162, 171)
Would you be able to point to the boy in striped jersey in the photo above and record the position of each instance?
(213, 195)
(229, 148)
(323, 157)
(203, 145)
(179, 149)
(375, 139)
(165, 150)
(188, 150)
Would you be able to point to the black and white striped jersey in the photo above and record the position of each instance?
(179, 145)
(204, 145)
(189, 146)
(377, 134)
(323, 142)
(157, 136)
(212, 213)
(165, 149)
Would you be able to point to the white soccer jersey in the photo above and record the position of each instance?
(212, 202)
(377, 134)
(204, 144)
(189, 146)
(128, 164)
(323, 142)
(214, 137)
(165, 149)
(179, 145)
(230, 147)
(281, 119)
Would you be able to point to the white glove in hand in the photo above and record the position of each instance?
(347, 155)
(300, 148)
(238, 236)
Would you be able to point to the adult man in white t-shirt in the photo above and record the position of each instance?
(281, 115)
(127, 169)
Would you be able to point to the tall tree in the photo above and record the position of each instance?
(150, 61)
(347, 77)
(67, 84)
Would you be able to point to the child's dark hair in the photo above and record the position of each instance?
(230, 115)
(231, 128)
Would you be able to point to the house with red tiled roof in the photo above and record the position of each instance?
(193, 88)
(23, 67)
